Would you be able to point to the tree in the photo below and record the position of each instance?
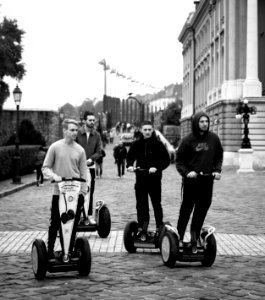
(28, 135)
(172, 114)
(69, 111)
(10, 55)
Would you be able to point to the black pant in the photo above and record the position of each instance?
(39, 173)
(92, 188)
(99, 169)
(148, 185)
(55, 222)
(197, 197)
(121, 167)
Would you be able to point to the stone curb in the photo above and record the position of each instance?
(16, 189)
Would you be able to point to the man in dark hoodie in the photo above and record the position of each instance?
(200, 152)
(150, 157)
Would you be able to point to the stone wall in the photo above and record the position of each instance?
(45, 121)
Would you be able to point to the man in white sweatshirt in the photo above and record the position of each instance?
(65, 158)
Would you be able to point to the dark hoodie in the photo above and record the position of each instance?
(199, 153)
(148, 153)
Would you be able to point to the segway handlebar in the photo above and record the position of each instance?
(71, 179)
(138, 169)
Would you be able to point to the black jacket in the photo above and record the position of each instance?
(148, 153)
(119, 153)
(199, 153)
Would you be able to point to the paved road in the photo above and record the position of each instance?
(237, 213)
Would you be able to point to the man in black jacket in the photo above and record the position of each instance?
(200, 152)
(150, 158)
(120, 153)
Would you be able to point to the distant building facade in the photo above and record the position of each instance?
(223, 64)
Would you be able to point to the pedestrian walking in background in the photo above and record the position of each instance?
(99, 164)
(148, 157)
(90, 140)
(120, 154)
(65, 158)
(200, 152)
(111, 136)
(38, 165)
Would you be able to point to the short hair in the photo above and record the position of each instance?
(88, 113)
(66, 123)
(147, 122)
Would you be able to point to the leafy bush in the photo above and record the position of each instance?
(27, 158)
(28, 135)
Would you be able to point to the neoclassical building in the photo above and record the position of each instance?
(223, 65)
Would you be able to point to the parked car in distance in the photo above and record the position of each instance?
(127, 138)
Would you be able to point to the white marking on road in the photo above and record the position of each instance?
(14, 242)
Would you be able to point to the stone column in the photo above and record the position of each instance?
(230, 89)
(252, 85)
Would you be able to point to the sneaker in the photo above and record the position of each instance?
(37, 183)
(141, 235)
(181, 244)
(86, 222)
(91, 220)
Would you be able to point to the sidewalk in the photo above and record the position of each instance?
(7, 187)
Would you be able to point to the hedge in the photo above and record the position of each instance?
(27, 160)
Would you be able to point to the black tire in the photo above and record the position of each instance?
(210, 251)
(129, 234)
(104, 223)
(39, 259)
(82, 250)
(169, 249)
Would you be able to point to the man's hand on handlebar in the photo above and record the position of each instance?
(216, 175)
(152, 170)
(57, 178)
(192, 174)
(89, 162)
(130, 169)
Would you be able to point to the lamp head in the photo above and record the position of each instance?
(17, 95)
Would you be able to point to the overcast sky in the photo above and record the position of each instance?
(65, 40)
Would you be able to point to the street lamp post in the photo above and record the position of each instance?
(17, 98)
(244, 111)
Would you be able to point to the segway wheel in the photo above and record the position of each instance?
(161, 233)
(82, 249)
(210, 252)
(169, 249)
(39, 259)
(129, 235)
(104, 222)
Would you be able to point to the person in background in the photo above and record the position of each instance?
(200, 152)
(90, 140)
(99, 164)
(148, 157)
(65, 158)
(38, 165)
(120, 153)
(111, 136)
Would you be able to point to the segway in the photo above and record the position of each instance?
(134, 239)
(172, 251)
(75, 253)
(102, 217)
(146, 239)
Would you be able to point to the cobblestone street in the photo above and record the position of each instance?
(237, 213)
